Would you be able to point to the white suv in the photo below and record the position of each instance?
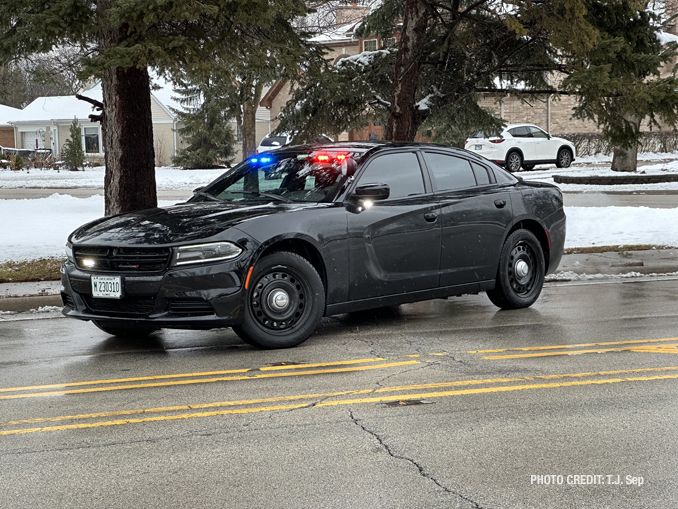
(522, 145)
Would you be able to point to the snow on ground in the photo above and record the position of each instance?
(167, 178)
(38, 228)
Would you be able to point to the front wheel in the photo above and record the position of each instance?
(520, 276)
(513, 162)
(285, 302)
(564, 159)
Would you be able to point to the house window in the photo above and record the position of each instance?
(238, 133)
(370, 45)
(91, 135)
(389, 43)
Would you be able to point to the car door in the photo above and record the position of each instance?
(475, 214)
(545, 149)
(525, 142)
(394, 244)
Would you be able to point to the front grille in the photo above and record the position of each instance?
(191, 307)
(137, 306)
(121, 259)
(67, 300)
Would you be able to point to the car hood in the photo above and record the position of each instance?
(174, 225)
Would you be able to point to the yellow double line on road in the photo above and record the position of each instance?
(547, 351)
(376, 397)
(194, 378)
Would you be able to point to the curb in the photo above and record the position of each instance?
(23, 304)
(616, 179)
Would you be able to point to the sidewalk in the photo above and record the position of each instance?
(26, 297)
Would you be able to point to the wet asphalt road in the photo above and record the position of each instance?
(437, 404)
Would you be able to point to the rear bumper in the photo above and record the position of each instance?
(204, 297)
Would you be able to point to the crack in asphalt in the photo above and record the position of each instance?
(406, 370)
(420, 469)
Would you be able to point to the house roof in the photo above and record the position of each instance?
(6, 113)
(66, 107)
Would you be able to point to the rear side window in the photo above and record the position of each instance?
(450, 172)
(401, 172)
(482, 176)
(520, 132)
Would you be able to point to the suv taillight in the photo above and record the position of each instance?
(498, 140)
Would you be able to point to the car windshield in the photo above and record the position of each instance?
(286, 177)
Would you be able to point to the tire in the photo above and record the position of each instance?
(528, 167)
(124, 331)
(564, 159)
(514, 161)
(520, 276)
(285, 302)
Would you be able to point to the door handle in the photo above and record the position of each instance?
(431, 217)
(500, 203)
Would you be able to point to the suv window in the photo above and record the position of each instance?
(450, 172)
(520, 132)
(538, 133)
(401, 172)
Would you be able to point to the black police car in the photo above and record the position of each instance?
(335, 228)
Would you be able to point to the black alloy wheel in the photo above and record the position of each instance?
(520, 276)
(513, 162)
(126, 331)
(285, 302)
(564, 159)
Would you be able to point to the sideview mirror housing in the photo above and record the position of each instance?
(373, 192)
(348, 167)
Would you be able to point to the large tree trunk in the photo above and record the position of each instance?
(625, 159)
(404, 118)
(249, 133)
(127, 127)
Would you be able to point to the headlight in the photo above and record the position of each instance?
(203, 253)
(69, 253)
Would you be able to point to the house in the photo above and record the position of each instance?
(6, 129)
(46, 122)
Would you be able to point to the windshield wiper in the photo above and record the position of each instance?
(267, 195)
(207, 195)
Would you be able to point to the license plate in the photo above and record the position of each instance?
(479, 147)
(107, 287)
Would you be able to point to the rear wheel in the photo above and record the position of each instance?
(520, 276)
(564, 159)
(124, 330)
(285, 302)
(513, 161)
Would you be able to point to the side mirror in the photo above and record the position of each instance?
(373, 192)
(198, 189)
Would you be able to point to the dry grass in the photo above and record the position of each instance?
(42, 269)
(615, 249)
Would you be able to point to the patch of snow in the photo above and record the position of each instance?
(45, 309)
(573, 276)
(665, 37)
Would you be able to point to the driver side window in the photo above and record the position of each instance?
(401, 172)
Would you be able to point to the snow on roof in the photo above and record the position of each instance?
(665, 37)
(340, 33)
(64, 107)
(6, 113)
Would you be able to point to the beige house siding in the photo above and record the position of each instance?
(158, 113)
(163, 143)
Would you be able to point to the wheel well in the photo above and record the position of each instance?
(569, 149)
(303, 249)
(539, 232)
(515, 149)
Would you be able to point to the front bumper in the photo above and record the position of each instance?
(200, 297)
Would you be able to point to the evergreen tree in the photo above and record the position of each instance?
(448, 52)
(618, 80)
(125, 39)
(73, 154)
(206, 127)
